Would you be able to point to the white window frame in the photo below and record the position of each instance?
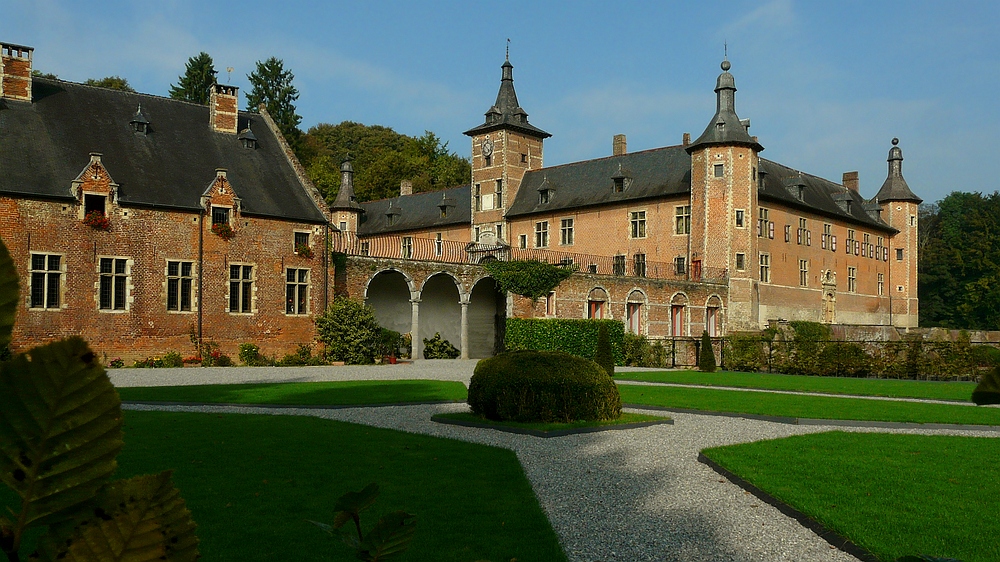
(298, 286)
(119, 303)
(245, 284)
(46, 273)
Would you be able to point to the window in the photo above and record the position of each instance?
(543, 196)
(680, 265)
(542, 234)
(550, 304)
(913, 220)
(720, 170)
(114, 283)
(677, 320)
(489, 159)
(739, 218)
(619, 185)
(850, 241)
(301, 241)
(498, 198)
(438, 244)
(179, 284)
(763, 223)
(638, 221)
(899, 254)
(475, 234)
(827, 236)
(880, 249)
(46, 278)
(804, 273)
(524, 158)
(343, 226)
(566, 232)
(296, 291)
(390, 219)
(499, 230)
(364, 247)
(94, 203)
(406, 246)
(633, 311)
(765, 268)
(592, 268)
(595, 309)
(618, 265)
(220, 215)
(800, 235)
(639, 265)
(240, 289)
(852, 279)
(682, 220)
(788, 233)
(712, 321)
(523, 241)
(881, 283)
(479, 198)
(741, 262)
(866, 246)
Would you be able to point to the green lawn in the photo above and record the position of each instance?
(798, 406)
(343, 393)
(891, 494)
(251, 483)
(626, 418)
(830, 385)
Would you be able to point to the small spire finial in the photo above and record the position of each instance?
(508, 49)
(725, 58)
(895, 141)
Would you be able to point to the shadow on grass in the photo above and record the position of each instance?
(305, 393)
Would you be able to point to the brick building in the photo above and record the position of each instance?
(704, 235)
(141, 222)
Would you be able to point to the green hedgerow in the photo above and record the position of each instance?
(603, 355)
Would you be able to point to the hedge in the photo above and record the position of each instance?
(578, 337)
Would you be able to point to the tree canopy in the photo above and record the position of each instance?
(195, 85)
(110, 82)
(271, 85)
(959, 245)
(382, 158)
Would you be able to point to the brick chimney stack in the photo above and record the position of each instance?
(618, 145)
(405, 188)
(15, 72)
(223, 104)
(851, 181)
(686, 139)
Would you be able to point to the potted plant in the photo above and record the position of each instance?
(223, 230)
(97, 220)
(303, 250)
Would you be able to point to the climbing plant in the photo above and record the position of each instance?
(531, 279)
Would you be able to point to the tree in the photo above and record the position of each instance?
(271, 86)
(706, 361)
(196, 84)
(40, 74)
(111, 82)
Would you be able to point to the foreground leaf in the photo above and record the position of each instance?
(9, 292)
(988, 389)
(136, 520)
(60, 430)
(351, 504)
(391, 536)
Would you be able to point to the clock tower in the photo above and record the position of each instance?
(503, 148)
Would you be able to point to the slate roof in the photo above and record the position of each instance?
(417, 211)
(651, 173)
(45, 145)
(725, 126)
(506, 113)
(895, 188)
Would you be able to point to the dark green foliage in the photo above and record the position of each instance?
(801, 355)
(195, 85)
(171, 359)
(390, 341)
(578, 337)
(437, 348)
(637, 351)
(301, 357)
(745, 352)
(9, 291)
(271, 86)
(350, 332)
(250, 356)
(603, 355)
(925, 558)
(542, 386)
(390, 536)
(40, 74)
(382, 158)
(706, 356)
(843, 359)
(986, 355)
(531, 279)
(110, 82)
(211, 356)
(988, 389)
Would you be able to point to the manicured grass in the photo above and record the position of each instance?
(341, 393)
(251, 483)
(891, 494)
(626, 418)
(951, 390)
(799, 406)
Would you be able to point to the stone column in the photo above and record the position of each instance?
(416, 344)
(465, 327)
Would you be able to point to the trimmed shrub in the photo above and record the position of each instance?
(437, 348)
(350, 332)
(300, 358)
(745, 352)
(543, 386)
(706, 359)
(173, 359)
(250, 356)
(578, 337)
(389, 342)
(988, 389)
(634, 349)
(844, 359)
(603, 355)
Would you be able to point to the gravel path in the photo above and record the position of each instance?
(633, 495)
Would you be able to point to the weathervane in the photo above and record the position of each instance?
(508, 48)
(229, 72)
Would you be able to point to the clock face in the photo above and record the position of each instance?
(487, 147)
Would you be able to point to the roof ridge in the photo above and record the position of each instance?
(606, 158)
(136, 93)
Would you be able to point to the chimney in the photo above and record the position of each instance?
(618, 145)
(687, 139)
(15, 72)
(405, 188)
(223, 105)
(851, 181)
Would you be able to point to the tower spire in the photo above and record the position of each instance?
(895, 188)
(726, 126)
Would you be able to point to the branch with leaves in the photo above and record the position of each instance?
(389, 537)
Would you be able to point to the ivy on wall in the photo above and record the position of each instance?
(531, 279)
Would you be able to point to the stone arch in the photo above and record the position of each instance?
(598, 303)
(714, 316)
(679, 314)
(388, 293)
(636, 314)
(485, 317)
(441, 309)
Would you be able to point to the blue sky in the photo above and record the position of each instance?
(826, 84)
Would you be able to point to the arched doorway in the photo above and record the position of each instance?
(388, 294)
(713, 316)
(634, 311)
(486, 310)
(678, 315)
(441, 310)
(597, 303)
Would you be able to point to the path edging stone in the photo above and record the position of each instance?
(553, 433)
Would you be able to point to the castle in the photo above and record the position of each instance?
(145, 223)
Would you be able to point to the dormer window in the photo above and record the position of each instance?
(94, 203)
(543, 196)
(139, 122)
(802, 194)
(220, 215)
(619, 185)
(247, 138)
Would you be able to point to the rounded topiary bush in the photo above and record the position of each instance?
(543, 386)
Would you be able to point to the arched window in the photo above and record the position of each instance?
(597, 303)
(633, 311)
(713, 316)
(678, 315)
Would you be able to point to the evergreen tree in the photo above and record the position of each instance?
(603, 355)
(110, 82)
(706, 362)
(196, 83)
(271, 85)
